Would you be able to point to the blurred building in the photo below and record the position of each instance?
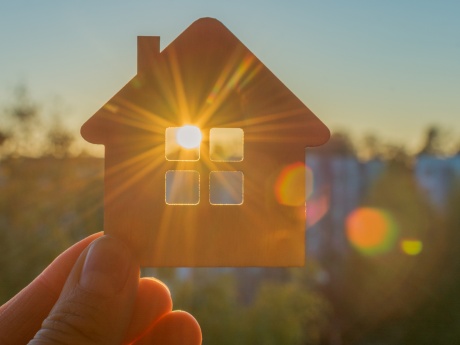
(436, 176)
(340, 182)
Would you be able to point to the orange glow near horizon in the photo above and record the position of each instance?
(371, 231)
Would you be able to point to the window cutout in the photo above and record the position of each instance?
(226, 144)
(182, 143)
(226, 187)
(182, 187)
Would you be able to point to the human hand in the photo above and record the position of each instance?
(92, 294)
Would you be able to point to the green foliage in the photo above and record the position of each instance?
(45, 206)
(213, 303)
(287, 313)
(437, 321)
(59, 141)
(381, 293)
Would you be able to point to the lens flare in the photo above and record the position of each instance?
(371, 231)
(411, 246)
(294, 184)
(188, 137)
(317, 207)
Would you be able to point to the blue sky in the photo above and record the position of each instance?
(386, 67)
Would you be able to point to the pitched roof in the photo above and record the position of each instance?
(205, 76)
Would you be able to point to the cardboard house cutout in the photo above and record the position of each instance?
(200, 147)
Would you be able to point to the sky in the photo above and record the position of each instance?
(390, 68)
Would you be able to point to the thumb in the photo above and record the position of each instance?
(96, 303)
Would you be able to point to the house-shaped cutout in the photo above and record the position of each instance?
(181, 201)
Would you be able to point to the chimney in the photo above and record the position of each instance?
(148, 50)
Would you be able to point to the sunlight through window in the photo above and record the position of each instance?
(182, 143)
(188, 137)
(226, 144)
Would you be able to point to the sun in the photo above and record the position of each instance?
(188, 137)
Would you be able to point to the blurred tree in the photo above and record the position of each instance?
(437, 321)
(437, 141)
(45, 206)
(213, 302)
(287, 313)
(3, 137)
(24, 121)
(370, 148)
(59, 141)
(23, 110)
(379, 291)
(30, 135)
(339, 144)
(431, 144)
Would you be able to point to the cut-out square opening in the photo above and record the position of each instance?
(182, 187)
(226, 187)
(226, 144)
(182, 143)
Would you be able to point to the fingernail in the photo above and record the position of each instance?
(106, 266)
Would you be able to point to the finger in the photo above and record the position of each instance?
(175, 328)
(97, 301)
(21, 317)
(152, 302)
